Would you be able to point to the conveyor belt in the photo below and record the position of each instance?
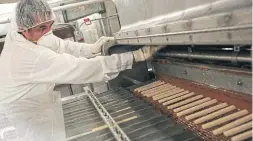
(211, 118)
(139, 120)
(135, 117)
(82, 119)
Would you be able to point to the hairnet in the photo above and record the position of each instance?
(30, 13)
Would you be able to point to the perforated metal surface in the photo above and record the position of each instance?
(82, 121)
(139, 120)
(136, 118)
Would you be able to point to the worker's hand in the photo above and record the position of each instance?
(102, 41)
(145, 53)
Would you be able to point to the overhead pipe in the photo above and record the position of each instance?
(234, 57)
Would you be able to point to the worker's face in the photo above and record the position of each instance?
(34, 34)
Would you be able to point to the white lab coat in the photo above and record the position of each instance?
(27, 77)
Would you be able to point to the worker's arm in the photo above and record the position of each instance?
(76, 49)
(51, 67)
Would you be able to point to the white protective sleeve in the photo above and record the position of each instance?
(61, 46)
(64, 68)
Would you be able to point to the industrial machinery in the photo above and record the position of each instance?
(201, 88)
(197, 87)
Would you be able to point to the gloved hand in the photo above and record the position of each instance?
(145, 53)
(102, 41)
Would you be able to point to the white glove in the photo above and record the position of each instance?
(102, 41)
(145, 53)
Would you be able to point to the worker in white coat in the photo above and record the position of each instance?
(33, 60)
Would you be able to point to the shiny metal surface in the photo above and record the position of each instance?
(117, 132)
(217, 77)
(82, 121)
(136, 118)
(136, 82)
(152, 12)
(244, 57)
(164, 22)
(83, 10)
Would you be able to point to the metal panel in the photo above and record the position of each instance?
(147, 9)
(150, 12)
(217, 22)
(229, 35)
(82, 11)
(111, 20)
(212, 77)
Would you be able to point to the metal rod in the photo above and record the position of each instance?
(209, 55)
(78, 136)
(117, 132)
(103, 27)
(65, 7)
(191, 32)
(109, 27)
(111, 16)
